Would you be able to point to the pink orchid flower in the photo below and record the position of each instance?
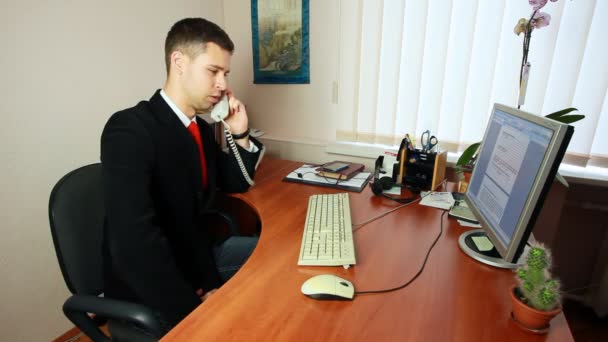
(537, 4)
(541, 19)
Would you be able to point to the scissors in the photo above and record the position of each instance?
(428, 141)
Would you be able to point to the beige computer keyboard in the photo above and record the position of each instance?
(328, 237)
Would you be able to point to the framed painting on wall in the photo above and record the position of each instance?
(280, 41)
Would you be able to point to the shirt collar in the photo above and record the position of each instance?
(180, 115)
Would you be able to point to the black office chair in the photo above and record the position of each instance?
(76, 216)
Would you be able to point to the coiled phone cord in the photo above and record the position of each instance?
(234, 149)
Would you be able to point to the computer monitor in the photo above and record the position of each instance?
(515, 168)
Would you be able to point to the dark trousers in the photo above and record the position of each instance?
(232, 254)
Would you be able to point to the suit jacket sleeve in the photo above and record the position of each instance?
(141, 254)
(230, 177)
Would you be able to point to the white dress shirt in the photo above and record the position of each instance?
(186, 120)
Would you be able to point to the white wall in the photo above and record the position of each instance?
(295, 112)
(300, 120)
(65, 67)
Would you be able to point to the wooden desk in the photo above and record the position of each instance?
(454, 299)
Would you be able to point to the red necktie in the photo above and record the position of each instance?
(196, 134)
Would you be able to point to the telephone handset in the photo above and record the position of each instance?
(220, 110)
(218, 114)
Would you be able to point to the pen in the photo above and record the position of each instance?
(410, 146)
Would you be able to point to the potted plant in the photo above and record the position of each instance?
(536, 299)
(464, 166)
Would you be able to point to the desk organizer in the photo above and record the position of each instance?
(425, 170)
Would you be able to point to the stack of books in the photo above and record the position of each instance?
(344, 174)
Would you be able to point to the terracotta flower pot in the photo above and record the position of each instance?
(531, 319)
(463, 184)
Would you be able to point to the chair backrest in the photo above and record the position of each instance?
(76, 216)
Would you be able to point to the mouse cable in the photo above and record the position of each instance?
(419, 271)
(357, 226)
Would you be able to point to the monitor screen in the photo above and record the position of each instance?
(515, 167)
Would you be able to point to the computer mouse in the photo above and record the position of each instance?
(328, 287)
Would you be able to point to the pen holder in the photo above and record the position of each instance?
(425, 170)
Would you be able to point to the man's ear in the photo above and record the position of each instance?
(178, 61)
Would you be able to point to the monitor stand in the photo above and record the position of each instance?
(490, 257)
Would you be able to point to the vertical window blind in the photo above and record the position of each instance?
(406, 66)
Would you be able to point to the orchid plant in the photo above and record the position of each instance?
(526, 26)
(537, 20)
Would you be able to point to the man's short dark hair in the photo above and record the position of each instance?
(191, 35)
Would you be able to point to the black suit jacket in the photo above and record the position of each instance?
(157, 248)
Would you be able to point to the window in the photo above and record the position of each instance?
(411, 65)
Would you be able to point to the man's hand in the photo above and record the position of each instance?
(237, 119)
(204, 297)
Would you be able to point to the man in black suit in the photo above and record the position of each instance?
(161, 170)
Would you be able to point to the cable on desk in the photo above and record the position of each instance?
(419, 271)
(357, 226)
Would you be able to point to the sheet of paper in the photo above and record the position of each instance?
(441, 200)
(395, 190)
(482, 243)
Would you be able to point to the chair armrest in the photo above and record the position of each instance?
(77, 307)
(233, 225)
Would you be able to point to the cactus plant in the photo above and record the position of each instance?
(538, 289)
